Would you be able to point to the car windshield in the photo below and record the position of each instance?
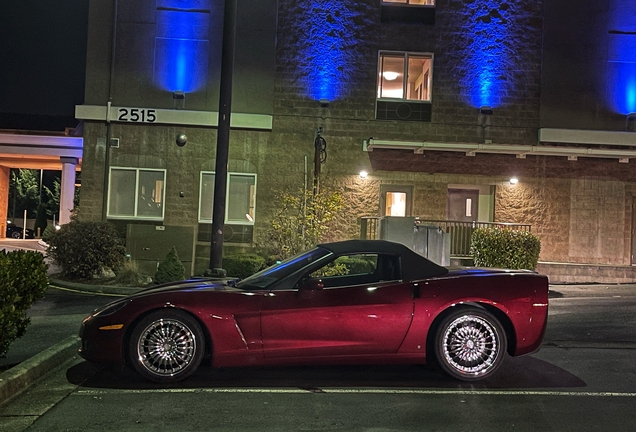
(268, 276)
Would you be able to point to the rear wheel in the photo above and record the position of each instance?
(166, 346)
(470, 344)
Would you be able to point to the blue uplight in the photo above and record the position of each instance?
(622, 86)
(326, 55)
(621, 65)
(488, 50)
(181, 45)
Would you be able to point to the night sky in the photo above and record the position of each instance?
(42, 63)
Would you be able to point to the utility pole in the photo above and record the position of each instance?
(223, 140)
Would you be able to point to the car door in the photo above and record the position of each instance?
(353, 314)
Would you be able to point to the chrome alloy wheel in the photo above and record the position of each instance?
(166, 347)
(471, 345)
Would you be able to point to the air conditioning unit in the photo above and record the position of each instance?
(403, 110)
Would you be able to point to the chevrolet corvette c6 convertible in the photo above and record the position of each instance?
(351, 302)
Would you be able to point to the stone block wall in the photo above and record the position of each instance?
(579, 220)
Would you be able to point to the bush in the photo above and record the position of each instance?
(243, 265)
(171, 269)
(505, 248)
(84, 249)
(357, 265)
(23, 280)
(48, 232)
(129, 275)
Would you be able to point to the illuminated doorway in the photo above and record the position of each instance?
(395, 200)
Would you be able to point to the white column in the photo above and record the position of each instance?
(67, 188)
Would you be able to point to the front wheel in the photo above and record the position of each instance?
(166, 346)
(470, 344)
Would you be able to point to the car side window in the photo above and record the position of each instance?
(357, 269)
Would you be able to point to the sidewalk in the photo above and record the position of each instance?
(17, 379)
(35, 355)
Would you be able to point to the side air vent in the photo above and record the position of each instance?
(403, 110)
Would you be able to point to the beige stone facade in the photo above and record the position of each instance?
(581, 209)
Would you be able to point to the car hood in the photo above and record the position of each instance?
(482, 271)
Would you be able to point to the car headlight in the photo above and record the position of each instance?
(110, 308)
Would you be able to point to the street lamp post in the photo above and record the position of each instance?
(223, 139)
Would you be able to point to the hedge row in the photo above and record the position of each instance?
(505, 248)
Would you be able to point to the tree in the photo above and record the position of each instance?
(25, 194)
(300, 221)
(53, 198)
(40, 219)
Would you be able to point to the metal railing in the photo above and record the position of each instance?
(459, 231)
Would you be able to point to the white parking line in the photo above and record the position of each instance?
(363, 391)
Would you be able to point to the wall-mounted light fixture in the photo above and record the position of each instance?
(324, 103)
(363, 174)
(630, 122)
(179, 99)
(514, 181)
(181, 139)
(485, 110)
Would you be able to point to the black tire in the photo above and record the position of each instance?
(470, 344)
(166, 346)
(16, 235)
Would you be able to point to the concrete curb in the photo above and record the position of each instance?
(100, 289)
(17, 379)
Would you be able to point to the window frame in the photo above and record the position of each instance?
(136, 204)
(406, 55)
(226, 219)
(386, 188)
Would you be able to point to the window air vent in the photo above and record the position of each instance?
(401, 110)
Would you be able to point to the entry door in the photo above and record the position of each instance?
(354, 320)
(462, 205)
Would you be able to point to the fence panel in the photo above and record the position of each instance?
(459, 231)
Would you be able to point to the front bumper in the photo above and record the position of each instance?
(101, 346)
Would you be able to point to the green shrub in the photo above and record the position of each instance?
(358, 265)
(243, 265)
(505, 248)
(83, 249)
(129, 275)
(48, 232)
(171, 269)
(23, 280)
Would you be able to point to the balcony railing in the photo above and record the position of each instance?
(459, 231)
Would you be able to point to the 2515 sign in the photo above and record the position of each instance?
(137, 115)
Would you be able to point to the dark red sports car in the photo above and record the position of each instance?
(357, 301)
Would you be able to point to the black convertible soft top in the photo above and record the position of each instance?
(414, 265)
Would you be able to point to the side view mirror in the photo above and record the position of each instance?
(311, 284)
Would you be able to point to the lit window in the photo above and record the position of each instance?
(240, 201)
(412, 2)
(395, 204)
(405, 76)
(136, 193)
